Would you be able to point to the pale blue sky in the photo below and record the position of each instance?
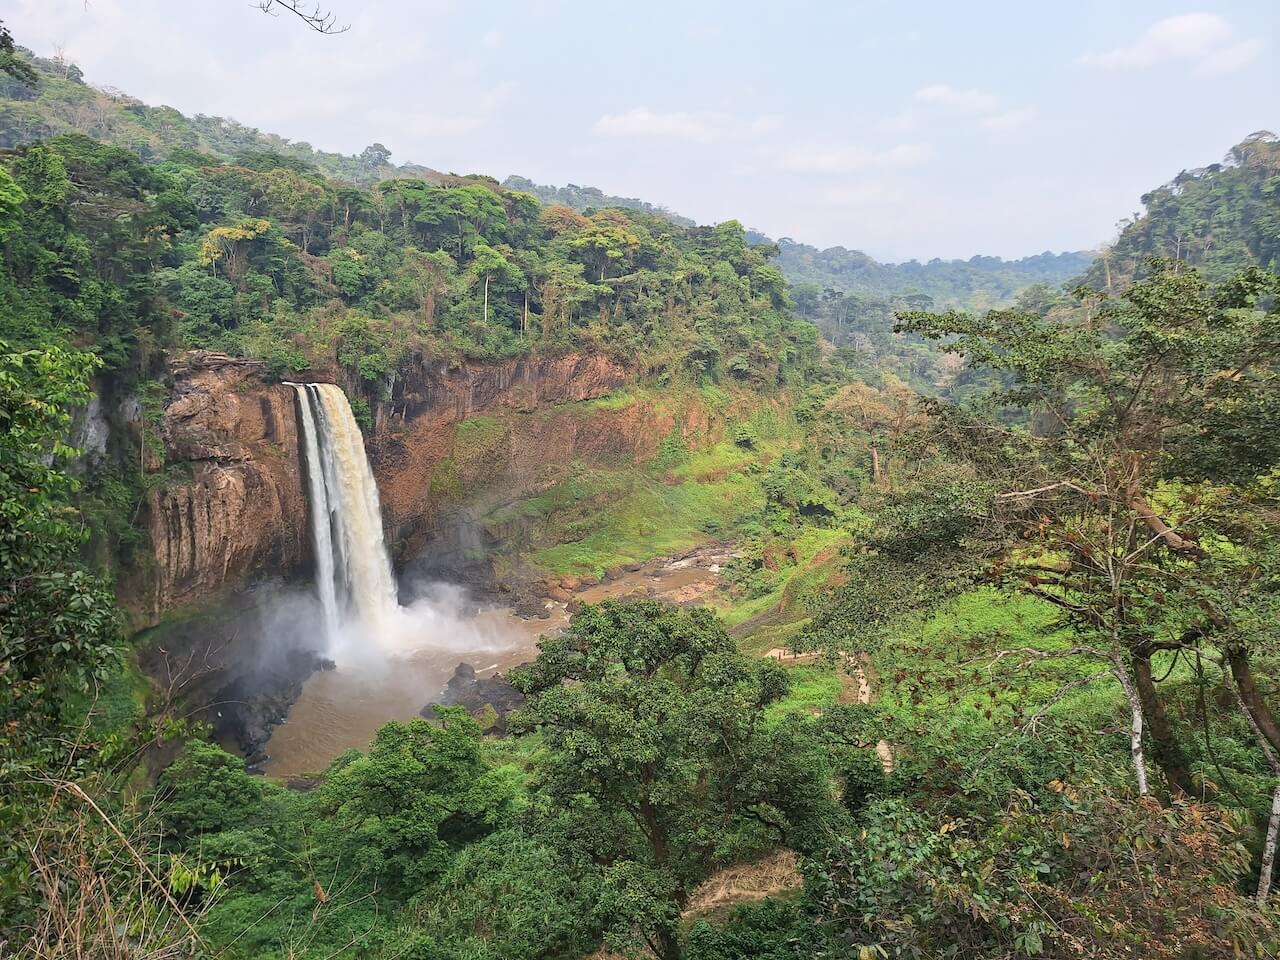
(919, 129)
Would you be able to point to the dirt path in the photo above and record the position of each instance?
(855, 687)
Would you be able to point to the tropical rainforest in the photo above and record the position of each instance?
(993, 662)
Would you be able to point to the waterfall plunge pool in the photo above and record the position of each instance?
(341, 709)
(392, 660)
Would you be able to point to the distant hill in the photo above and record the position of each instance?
(589, 198)
(62, 102)
(977, 283)
(1221, 218)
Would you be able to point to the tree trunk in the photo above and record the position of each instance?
(486, 298)
(429, 307)
(1251, 697)
(875, 465)
(1269, 850)
(524, 318)
(1168, 751)
(1267, 868)
(668, 944)
(1135, 726)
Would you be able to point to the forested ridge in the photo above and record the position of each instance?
(60, 101)
(64, 103)
(589, 198)
(1214, 217)
(993, 674)
(977, 283)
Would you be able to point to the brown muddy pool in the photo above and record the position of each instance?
(342, 709)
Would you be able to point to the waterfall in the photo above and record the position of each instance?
(353, 572)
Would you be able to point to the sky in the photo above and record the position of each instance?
(933, 128)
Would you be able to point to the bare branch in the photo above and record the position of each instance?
(1162, 530)
(1023, 494)
(316, 18)
(1062, 693)
(1032, 655)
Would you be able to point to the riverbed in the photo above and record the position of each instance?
(342, 709)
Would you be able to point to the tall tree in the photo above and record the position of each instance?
(660, 753)
(1176, 381)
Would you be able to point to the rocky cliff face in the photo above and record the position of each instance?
(415, 435)
(232, 507)
(232, 504)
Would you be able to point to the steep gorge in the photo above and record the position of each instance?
(228, 518)
(232, 506)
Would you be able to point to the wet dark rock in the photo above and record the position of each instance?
(479, 695)
(227, 667)
(249, 708)
(529, 606)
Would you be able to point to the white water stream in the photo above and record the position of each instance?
(353, 572)
(392, 660)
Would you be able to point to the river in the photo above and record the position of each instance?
(342, 709)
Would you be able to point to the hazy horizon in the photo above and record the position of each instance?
(945, 134)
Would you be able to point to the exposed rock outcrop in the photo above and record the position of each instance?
(479, 695)
(415, 434)
(232, 505)
(239, 665)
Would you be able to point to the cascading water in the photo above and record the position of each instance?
(353, 572)
(390, 660)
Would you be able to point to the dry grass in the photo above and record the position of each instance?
(746, 883)
(776, 873)
(100, 897)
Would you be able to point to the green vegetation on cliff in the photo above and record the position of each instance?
(1218, 218)
(267, 261)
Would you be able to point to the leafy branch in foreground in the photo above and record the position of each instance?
(1136, 498)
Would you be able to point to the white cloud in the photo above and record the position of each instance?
(905, 154)
(838, 159)
(682, 125)
(959, 101)
(643, 122)
(1008, 120)
(985, 107)
(766, 123)
(1205, 41)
